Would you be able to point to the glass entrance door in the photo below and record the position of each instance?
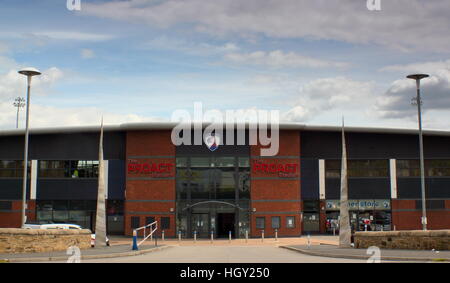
(200, 223)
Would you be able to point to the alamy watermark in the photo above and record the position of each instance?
(373, 5)
(375, 253)
(73, 5)
(258, 124)
(75, 254)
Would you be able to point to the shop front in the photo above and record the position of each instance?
(365, 215)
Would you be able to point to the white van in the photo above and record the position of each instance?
(61, 226)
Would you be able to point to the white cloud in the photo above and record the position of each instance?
(401, 24)
(423, 67)
(87, 53)
(188, 47)
(280, 59)
(74, 35)
(13, 84)
(337, 94)
(396, 101)
(48, 116)
(42, 37)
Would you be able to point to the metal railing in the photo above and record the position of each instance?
(148, 231)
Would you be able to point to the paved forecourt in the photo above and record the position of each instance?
(223, 254)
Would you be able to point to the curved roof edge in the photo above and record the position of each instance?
(171, 125)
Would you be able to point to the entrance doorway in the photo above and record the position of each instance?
(225, 224)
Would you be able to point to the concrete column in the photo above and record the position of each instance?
(33, 179)
(393, 175)
(322, 195)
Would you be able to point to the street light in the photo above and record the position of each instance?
(417, 78)
(29, 72)
(19, 103)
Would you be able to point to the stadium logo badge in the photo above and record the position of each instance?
(212, 142)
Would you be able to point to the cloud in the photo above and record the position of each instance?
(188, 47)
(13, 84)
(74, 35)
(41, 38)
(338, 94)
(423, 67)
(65, 117)
(396, 101)
(280, 59)
(87, 54)
(402, 24)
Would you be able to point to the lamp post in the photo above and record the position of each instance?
(29, 72)
(417, 78)
(19, 103)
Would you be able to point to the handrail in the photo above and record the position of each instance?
(152, 231)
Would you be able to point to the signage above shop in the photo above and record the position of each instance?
(153, 169)
(383, 204)
(285, 170)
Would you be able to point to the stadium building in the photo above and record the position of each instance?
(190, 188)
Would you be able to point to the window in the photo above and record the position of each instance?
(244, 162)
(358, 168)
(310, 205)
(224, 162)
(181, 162)
(290, 221)
(149, 220)
(433, 168)
(276, 220)
(200, 162)
(135, 222)
(12, 169)
(165, 223)
(68, 169)
(260, 222)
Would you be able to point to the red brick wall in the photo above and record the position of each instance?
(150, 194)
(273, 194)
(12, 219)
(405, 216)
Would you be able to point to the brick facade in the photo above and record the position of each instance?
(277, 194)
(150, 192)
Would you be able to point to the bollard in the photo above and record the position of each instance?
(195, 236)
(162, 236)
(246, 236)
(262, 236)
(334, 231)
(229, 236)
(309, 241)
(179, 236)
(212, 236)
(276, 235)
(135, 246)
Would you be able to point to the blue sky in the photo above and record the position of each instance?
(139, 60)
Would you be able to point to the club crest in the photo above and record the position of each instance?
(212, 142)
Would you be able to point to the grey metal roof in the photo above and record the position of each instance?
(170, 125)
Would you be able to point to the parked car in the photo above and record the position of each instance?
(51, 226)
(61, 226)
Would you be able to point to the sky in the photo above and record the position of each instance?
(140, 60)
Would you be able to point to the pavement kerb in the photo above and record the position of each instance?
(99, 256)
(389, 258)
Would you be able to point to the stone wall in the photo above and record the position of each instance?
(40, 240)
(411, 240)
